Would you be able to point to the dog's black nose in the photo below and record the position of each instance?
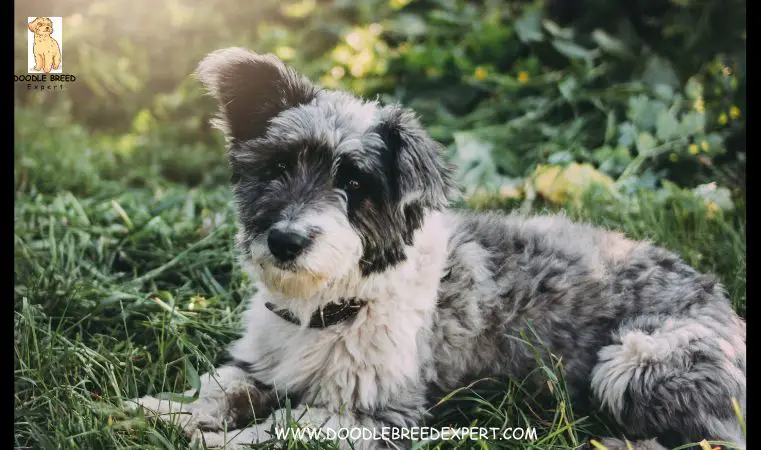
(287, 245)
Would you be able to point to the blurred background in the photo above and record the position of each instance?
(634, 94)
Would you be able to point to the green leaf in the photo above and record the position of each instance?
(642, 111)
(474, 159)
(410, 25)
(571, 50)
(692, 123)
(610, 126)
(693, 89)
(529, 27)
(610, 44)
(568, 88)
(715, 143)
(666, 126)
(563, 157)
(660, 71)
(446, 17)
(556, 30)
(627, 134)
(664, 92)
(646, 143)
(191, 375)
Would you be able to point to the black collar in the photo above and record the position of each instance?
(328, 315)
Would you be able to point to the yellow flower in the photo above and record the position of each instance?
(723, 119)
(734, 112)
(699, 105)
(342, 54)
(673, 157)
(285, 52)
(559, 184)
(523, 77)
(693, 149)
(375, 29)
(704, 145)
(361, 63)
(399, 4)
(337, 72)
(328, 81)
(299, 10)
(481, 73)
(356, 38)
(197, 302)
(508, 191)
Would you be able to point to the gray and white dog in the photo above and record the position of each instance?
(372, 294)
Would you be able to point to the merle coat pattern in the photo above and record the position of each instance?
(344, 198)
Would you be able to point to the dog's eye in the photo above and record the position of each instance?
(278, 170)
(352, 185)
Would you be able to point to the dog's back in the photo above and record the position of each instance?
(629, 320)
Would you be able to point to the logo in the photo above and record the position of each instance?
(45, 56)
(45, 45)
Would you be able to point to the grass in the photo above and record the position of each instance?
(125, 289)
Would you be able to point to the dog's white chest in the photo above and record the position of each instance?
(362, 363)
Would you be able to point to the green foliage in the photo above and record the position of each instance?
(533, 85)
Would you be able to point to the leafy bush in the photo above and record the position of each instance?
(644, 90)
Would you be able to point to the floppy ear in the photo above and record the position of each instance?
(420, 174)
(251, 89)
(33, 25)
(420, 180)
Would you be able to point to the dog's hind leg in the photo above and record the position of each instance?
(56, 60)
(675, 378)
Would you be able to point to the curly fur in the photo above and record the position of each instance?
(654, 342)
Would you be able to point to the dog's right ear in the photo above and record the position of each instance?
(33, 25)
(251, 89)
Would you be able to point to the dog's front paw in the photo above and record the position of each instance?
(188, 416)
(230, 439)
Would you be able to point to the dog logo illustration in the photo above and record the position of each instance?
(45, 39)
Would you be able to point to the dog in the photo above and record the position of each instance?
(371, 294)
(47, 53)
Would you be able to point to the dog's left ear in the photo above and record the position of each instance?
(33, 25)
(251, 89)
(421, 176)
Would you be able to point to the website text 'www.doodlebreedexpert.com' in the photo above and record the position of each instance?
(409, 433)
